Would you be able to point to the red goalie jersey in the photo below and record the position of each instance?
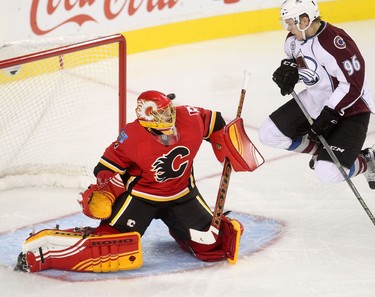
(160, 172)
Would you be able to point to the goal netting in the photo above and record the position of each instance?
(62, 101)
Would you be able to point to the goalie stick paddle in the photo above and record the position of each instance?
(210, 236)
(334, 159)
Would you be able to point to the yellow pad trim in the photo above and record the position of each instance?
(237, 227)
(236, 140)
(107, 258)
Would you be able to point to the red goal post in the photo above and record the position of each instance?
(62, 101)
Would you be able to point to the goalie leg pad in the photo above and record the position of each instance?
(226, 246)
(77, 251)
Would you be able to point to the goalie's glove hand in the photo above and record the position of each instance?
(286, 76)
(96, 203)
(324, 124)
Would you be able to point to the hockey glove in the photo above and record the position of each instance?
(286, 76)
(324, 124)
(96, 204)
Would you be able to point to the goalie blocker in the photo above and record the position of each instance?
(233, 143)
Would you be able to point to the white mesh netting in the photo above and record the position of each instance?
(57, 114)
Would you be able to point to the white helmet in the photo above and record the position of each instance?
(293, 9)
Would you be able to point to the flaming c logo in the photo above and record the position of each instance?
(171, 165)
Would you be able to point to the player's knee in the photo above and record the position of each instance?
(270, 135)
(327, 172)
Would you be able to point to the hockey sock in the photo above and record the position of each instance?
(304, 145)
(359, 166)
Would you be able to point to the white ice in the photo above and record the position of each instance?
(328, 247)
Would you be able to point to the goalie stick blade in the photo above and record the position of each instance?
(204, 237)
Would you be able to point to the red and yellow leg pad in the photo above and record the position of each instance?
(75, 251)
(225, 248)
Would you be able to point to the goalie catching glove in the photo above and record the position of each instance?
(97, 204)
(97, 201)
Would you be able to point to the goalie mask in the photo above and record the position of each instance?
(156, 112)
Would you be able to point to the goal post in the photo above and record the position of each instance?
(62, 101)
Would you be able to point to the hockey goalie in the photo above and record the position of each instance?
(147, 174)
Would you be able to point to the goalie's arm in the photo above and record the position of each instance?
(103, 173)
(213, 121)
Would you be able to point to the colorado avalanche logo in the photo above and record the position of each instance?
(307, 70)
(339, 42)
(308, 76)
(171, 165)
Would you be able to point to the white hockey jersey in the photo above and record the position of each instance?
(333, 70)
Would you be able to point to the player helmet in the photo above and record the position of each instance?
(156, 111)
(293, 9)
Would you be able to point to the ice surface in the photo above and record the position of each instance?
(328, 245)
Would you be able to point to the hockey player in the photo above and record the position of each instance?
(146, 174)
(327, 60)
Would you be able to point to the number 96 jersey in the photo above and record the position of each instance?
(333, 69)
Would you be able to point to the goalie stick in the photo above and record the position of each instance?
(210, 236)
(334, 159)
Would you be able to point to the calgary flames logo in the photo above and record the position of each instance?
(171, 165)
(144, 109)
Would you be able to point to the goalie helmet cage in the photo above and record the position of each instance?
(62, 101)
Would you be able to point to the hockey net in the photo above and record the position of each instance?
(62, 101)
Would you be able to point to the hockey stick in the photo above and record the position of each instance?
(334, 159)
(210, 236)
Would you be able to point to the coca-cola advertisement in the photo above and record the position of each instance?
(25, 19)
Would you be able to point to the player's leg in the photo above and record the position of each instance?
(287, 128)
(131, 214)
(346, 142)
(192, 212)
